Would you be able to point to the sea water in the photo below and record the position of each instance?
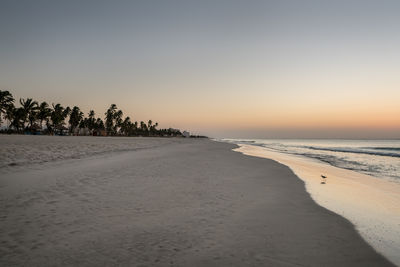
(378, 158)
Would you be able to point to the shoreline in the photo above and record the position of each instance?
(371, 204)
(185, 203)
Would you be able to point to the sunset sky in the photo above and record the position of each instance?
(282, 69)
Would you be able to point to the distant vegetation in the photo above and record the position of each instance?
(32, 117)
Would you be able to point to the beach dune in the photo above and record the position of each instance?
(173, 202)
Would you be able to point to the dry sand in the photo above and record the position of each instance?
(173, 202)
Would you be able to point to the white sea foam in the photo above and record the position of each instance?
(379, 158)
(371, 204)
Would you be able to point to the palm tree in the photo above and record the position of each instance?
(99, 124)
(9, 113)
(150, 126)
(91, 114)
(6, 100)
(143, 128)
(110, 115)
(118, 121)
(91, 121)
(58, 115)
(126, 126)
(18, 118)
(44, 113)
(155, 127)
(30, 107)
(75, 118)
(135, 128)
(49, 121)
(83, 123)
(66, 112)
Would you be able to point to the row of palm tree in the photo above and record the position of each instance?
(33, 117)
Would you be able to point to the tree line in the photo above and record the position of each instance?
(34, 117)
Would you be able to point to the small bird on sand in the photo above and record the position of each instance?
(323, 179)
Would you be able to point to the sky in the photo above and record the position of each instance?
(238, 69)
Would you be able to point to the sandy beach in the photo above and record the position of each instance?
(162, 202)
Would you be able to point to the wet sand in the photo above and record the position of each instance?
(372, 204)
(174, 202)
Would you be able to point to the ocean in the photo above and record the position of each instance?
(378, 158)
